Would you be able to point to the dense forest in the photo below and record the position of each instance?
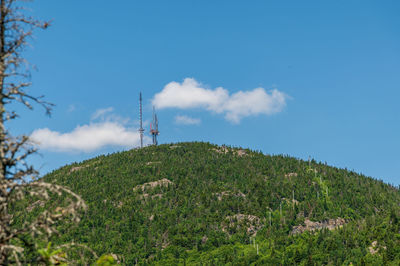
(202, 204)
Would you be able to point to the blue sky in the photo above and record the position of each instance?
(334, 67)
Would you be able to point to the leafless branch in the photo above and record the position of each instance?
(16, 30)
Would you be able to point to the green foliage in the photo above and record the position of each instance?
(50, 256)
(186, 222)
(105, 260)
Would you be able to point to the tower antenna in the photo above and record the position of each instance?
(154, 127)
(141, 130)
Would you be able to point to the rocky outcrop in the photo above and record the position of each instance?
(152, 163)
(330, 224)
(76, 168)
(291, 175)
(174, 146)
(159, 183)
(251, 223)
(147, 189)
(224, 150)
(374, 249)
(221, 195)
(241, 152)
(155, 196)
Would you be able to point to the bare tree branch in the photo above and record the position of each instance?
(16, 30)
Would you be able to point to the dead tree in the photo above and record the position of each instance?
(19, 180)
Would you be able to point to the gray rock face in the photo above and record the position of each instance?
(330, 224)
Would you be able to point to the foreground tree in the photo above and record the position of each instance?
(18, 180)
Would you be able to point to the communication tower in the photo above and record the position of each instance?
(141, 130)
(154, 127)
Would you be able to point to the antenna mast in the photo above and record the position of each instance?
(154, 127)
(141, 130)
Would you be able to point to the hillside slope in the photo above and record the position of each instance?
(200, 203)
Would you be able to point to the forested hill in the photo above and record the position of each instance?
(198, 203)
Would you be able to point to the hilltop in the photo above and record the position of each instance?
(198, 203)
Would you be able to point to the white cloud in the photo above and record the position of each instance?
(106, 114)
(186, 120)
(90, 137)
(101, 113)
(191, 94)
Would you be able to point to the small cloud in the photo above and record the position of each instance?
(71, 108)
(191, 94)
(106, 114)
(186, 120)
(100, 113)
